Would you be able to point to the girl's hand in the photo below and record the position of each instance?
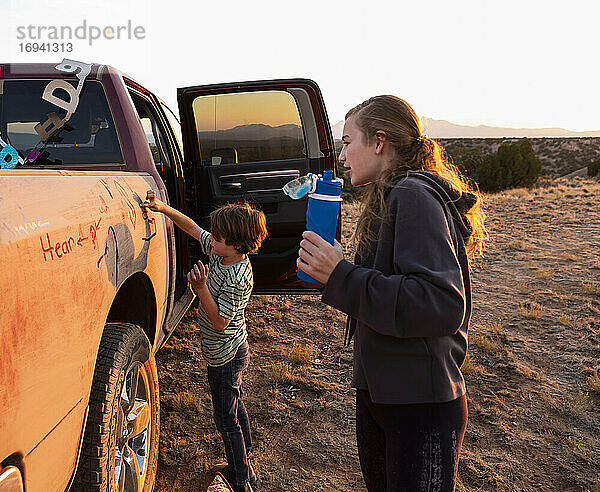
(317, 257)
(152, 203)
(197, 276)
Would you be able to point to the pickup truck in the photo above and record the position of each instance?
(92, 284)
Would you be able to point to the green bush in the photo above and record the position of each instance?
(511, 166)
(593, 168)
(467, 159)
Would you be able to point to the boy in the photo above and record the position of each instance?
(223, 287)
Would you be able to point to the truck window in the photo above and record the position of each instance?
(155, 135)
(175, 125)
(88, 138)
(248, 127)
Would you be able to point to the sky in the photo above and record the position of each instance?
(524, 63)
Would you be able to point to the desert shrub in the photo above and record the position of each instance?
(593, 168)
(512, 166)
(467, 159)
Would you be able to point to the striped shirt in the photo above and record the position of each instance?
(230, 286)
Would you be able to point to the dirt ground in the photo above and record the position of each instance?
(534, 344)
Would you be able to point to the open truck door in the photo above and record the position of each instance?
(243, 142)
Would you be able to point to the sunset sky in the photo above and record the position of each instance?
(273, 108)
(523, 63)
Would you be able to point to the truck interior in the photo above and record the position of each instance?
(243, 142)
(88, 138)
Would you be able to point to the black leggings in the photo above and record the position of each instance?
(409, 447)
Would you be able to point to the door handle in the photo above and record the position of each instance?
(232, 185)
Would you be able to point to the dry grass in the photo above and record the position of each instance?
(468, 365)
(530, 372)
(185, 401)
(579, 448)
(487, 344)
(573, 405)
(569, 256)
(279, 371)
(300, 353)
(496, 327)
(593, 381)
(562, 299)
(544, 273)
(525, 288)
(518, 192)
(530, 309)
(460, 487)
(568, 320)
(592, 288)
(550, 435)
(519, 245)
(592, 308)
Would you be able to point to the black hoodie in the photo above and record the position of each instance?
(410, 298)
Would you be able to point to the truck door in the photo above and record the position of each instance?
(244, 142)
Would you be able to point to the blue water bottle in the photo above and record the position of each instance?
(323, 212)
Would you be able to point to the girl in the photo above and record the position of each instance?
(408, 296)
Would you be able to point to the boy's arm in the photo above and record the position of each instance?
(181, 220)
(197, 277)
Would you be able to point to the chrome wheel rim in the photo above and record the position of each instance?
(133, 430)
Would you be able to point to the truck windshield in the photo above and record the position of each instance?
(88, 138)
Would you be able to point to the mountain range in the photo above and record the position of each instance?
(446, 129)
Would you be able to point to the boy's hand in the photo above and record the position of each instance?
(197, 276)
(152, 203)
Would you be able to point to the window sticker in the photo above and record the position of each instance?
(9, 151)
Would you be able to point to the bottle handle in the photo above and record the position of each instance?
(313, 188)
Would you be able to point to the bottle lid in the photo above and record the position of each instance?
(327, 185)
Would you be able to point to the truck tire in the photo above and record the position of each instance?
(120, 444)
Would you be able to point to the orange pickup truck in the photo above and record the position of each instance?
(92, 285)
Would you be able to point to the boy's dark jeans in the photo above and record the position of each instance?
(230, 413)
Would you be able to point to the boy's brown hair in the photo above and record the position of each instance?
(239, 225)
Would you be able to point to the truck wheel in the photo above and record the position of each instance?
(120, 444)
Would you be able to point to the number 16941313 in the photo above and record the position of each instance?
(49, 47)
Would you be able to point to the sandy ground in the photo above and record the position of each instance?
(534, 344)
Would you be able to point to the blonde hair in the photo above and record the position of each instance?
(239, 225)
(412, 152)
